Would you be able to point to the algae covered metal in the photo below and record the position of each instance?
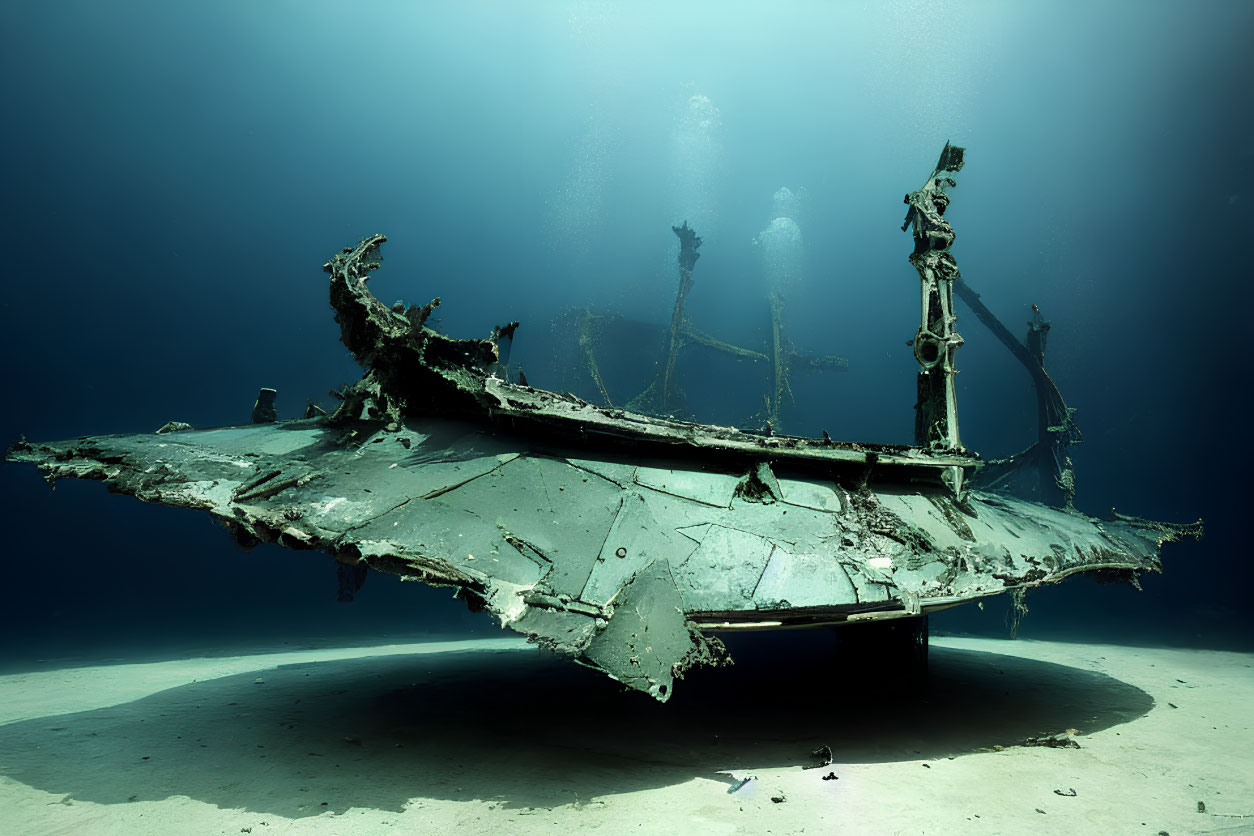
(615, 538)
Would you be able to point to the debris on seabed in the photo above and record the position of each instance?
(824, 756)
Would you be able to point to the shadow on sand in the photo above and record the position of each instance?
(526, 732)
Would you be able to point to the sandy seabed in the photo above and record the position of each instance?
(490, 736)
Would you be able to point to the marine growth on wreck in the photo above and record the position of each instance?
(624, 538)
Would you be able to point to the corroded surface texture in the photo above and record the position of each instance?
(414, 370)
(610, 560)
(936, 341)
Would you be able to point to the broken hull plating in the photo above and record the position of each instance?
(617, 562)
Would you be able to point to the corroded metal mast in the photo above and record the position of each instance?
(936, 341)
(689, 242)
(663, 394)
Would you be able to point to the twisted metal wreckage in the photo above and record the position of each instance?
(619, 539)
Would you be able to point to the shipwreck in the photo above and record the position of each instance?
(625, 540)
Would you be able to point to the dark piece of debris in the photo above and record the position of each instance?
(823, 756)
(264, 411)
(1057, 741)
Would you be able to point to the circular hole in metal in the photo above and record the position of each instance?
(927, 350)
(620, 552)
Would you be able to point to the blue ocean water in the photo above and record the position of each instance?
(175, 175)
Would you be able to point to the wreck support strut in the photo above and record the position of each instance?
(689, 242)
(936, 341)
(779, 362)
(1056, 431)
